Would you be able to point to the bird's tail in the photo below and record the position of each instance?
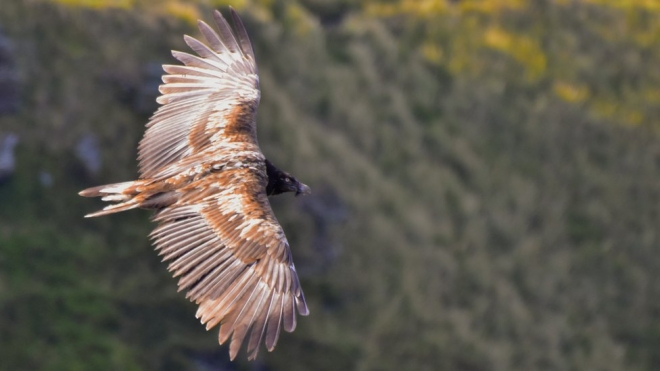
(123, 193)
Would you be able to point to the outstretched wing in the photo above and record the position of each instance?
(209, 104)
(220, 235)
(223, 241)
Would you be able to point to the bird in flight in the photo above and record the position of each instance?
(203, 173)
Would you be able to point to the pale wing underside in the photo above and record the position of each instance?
(232, 257)
(209, 104)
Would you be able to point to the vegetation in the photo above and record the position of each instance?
(485, 175)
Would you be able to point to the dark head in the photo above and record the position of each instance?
(281, 182)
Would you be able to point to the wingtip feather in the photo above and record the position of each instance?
(92, 191)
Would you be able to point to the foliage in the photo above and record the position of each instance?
(497, 162)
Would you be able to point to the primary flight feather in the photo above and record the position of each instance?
(201, 169)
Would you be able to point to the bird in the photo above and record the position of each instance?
(202, 172)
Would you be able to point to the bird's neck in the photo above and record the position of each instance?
(273, 174)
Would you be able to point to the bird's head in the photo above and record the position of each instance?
(286, 183)
(281, 182)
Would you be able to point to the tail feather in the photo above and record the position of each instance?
(123, 193)
(111, 209)
(116, 188)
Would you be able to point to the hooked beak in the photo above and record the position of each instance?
(303, 189)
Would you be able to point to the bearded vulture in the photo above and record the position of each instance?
(203, 173)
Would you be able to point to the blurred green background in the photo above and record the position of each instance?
(485, 175)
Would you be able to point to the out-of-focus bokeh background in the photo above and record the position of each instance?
(486, 180)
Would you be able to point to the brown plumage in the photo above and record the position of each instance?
(201, 169)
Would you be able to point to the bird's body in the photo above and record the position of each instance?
(204, 174)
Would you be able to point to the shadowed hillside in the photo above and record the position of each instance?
(485, 177)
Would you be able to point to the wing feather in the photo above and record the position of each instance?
(195, 257)
(212, 38)
(213, 93)
(245, 319)
(178, 70)
(274, 321)
(216, 286)
(226, 35)
(243, 39)
(233, 303)
(201, 275)
(202, 50)
(259, 325)
(232, 257)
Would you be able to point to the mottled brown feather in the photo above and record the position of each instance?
(207, 104)
(236, 248)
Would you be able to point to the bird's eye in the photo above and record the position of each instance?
(287, 180)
